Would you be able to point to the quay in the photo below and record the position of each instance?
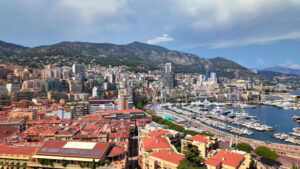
(284, 149)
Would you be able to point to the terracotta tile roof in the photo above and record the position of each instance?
(116, 150)
(119, 134)
(7, 149)
(66, 121)
(3, 113)
(200, 138)
(213, 162)
(40, 129)
(64, 132)
(48, 131)
(158, 132)
(74, 127)
(156, 142)
(123, 144)
(91, 127)
(6, 131)
(11, 119)
(226, 158)
(86, 134)
(35, 122)
(168, 156)
(54, 122)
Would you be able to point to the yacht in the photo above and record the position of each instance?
(296, 129)
(247, 106)
(220, 110)
(296, 118)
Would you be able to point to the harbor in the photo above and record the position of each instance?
(260, 122)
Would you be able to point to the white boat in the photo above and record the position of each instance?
(247, 106)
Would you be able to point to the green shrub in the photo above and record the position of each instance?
(266, 153)
(64, 163)
(244, 147)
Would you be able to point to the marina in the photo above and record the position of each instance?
(260, 122)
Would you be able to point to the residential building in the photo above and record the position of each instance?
(204, 143)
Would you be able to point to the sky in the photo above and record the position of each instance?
(254, 33)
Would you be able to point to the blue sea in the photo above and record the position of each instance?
(280, 119)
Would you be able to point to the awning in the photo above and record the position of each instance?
(65, 158)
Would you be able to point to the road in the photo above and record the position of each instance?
(133, 153)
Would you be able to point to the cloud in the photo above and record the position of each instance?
(196, 23)
(260, 61)
(96, 9)
(215, 13)
(294, 66)
(254, 41)
(290, 64)
(160, 39)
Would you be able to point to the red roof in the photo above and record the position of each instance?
(35, 122)
(48, 131)
(226, 158)
(156, 142)
(91, 127)
(119, 134)
(64, 132)
(200, 138)
(7, 149)
(116, 150)
(168, 156)
(122, 111)
(158, 132)
(56, 148)
(6, 131)
(54, 122)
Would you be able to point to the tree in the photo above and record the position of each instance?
(266, 153)
(64, 163)
(107, 161)
(139, 105)
(93, 165)
(295, 166)
(244, 147)
(192, 159)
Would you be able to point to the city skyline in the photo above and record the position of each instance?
(136, 84)
(255, 34)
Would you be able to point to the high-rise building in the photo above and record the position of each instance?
(200, 79)
(168, 67)
(64, 85)
(123, 102)
(207, 75)
(75, 86)
(54, 73)
(169, 77)
(213, 77)
(78, 68)
(13, 87)
(53, 85)
(97, 92)
(112, 78)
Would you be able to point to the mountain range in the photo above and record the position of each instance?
(137, 56)
(282, 69)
